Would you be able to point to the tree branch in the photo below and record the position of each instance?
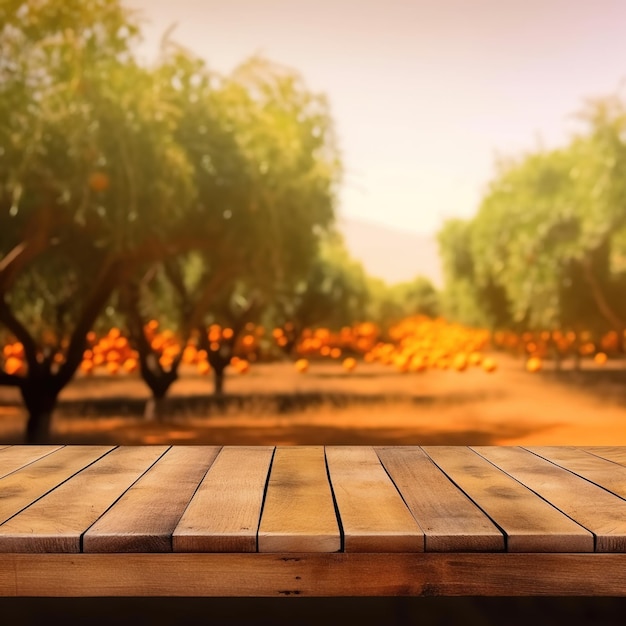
(110, 277)
(208, 292)
(599, 297)
(36, 240)
(20, 332)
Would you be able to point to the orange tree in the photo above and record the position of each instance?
(464, 298)
(234, 312)
(266, 167)
(333, 293)
(550, 234)
(92, 182)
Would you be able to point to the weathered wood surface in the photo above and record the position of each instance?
(312, 520)
(313, 574)
(373, 515)
(145, 517)
(530, 523)
(57, 521)
(594, 508)
(450, 520)
(18, 456)
(299, 513)
(224, 514)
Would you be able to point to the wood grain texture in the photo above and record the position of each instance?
(14, 457)
(530, 523)
(299, 513)
(312, 575)
(602, 472)
(449, 519)
(594, 508)
(617, 454)
(23, 487)
(373, 516)
(144, 518)
(224, 514)
(56, 522)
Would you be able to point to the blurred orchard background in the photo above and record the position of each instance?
(171, 268)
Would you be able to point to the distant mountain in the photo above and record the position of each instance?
(391, 254)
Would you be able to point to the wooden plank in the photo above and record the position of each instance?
(21, 488)
(224, 514)
(617, 454)
(373, 516)
(312, 575)
(530, 523)
(144, 518)
(601, 512)
(56, 522)
(13, 458)
(299, 513)
(602, 472)
(449, 519)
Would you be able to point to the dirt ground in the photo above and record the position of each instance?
(274, 404)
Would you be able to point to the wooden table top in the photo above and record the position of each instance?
(312, 499)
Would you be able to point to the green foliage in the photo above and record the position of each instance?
(466, 299)
(89, 164)
(547, 246)
(112, 173)
(333, 294)
(292, 171)
(389, 304)
(245, 167)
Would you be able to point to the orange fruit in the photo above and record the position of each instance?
(242, 366)
(13, 365)
(203, 367)
(489, 364)
(600, 358)
(349, 364)
(302, 365)
(533, 364)
(459, 362)
(99, 181)
(130, 365)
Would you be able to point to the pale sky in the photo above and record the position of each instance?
(424, 93)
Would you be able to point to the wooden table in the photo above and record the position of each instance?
(312, 521)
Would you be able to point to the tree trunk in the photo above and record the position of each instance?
(159, 385)
(38, 427)
(155, 409)
(219, 361)
(218, 379)
(40, 402)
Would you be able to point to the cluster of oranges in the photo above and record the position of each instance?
(348, 364)
(113, 352)
(541, 345)
(358, 339)
(13, 357)
(165, 344)
(323, 342)
(419, 343)
(414, 345)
